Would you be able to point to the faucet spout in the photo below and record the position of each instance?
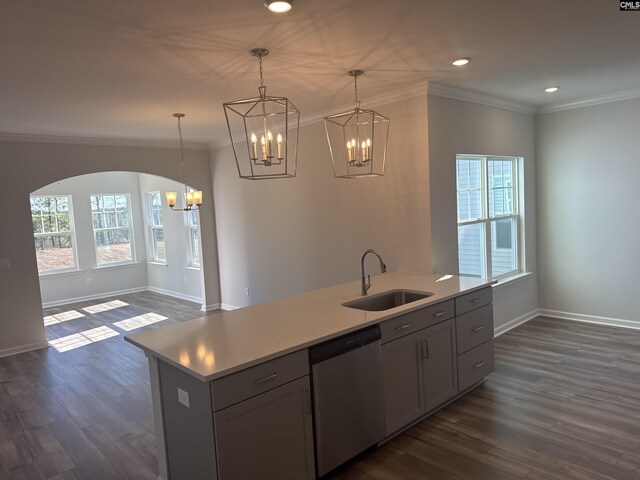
(366, 282)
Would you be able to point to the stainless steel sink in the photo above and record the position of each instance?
(387, 300)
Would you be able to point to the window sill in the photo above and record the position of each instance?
(192, 267)
(159, 264)
(61, 273)
(117, 265)
(511, 279)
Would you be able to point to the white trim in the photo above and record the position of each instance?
(504, 328)
(93, 297)
(107, 266)
(209, 308)
(23, 348)
(59, 273)
(103, 141)
(373, 101)
(481, 99)
(227, 307)
(579, 317)
(591, 101)
(169, 293)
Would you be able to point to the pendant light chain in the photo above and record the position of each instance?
(184, 171)
(355, 85)
(261, 77)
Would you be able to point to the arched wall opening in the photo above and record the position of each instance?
(30, 166)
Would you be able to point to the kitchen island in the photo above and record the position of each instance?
(204, 371)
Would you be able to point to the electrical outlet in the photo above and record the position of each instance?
(246, 291)
(5, 264)
(89, 282)
(183, 398)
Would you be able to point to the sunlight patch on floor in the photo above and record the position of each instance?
(62, 317)
(103, 307)
(76, 340)
(139, 321)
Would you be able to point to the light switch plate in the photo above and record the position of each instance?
(5, 264)
(183, 398)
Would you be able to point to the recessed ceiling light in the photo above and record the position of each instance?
(461, 61)
(279, 6)
(551, 89)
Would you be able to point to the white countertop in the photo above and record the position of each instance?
(222, 343)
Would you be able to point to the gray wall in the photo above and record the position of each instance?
(459, 127)
(589, 238)
(27, 167)
(283, 237)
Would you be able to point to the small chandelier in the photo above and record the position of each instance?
(193, 199)
(264, 132)
(357, 139)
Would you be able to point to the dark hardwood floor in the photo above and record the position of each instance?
(564, 403)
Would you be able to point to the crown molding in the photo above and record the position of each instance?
(98, 141)
(481, 98)
(591, 101)
(371, 102)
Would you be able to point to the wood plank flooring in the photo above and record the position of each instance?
(564, 403)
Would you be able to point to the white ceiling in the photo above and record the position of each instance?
(119, 69)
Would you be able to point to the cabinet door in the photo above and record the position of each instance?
(402, 379)
(440, 373)
(268, 436)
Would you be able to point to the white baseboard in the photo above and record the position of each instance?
(23, 348)
(226, 306)
(93, 297)
(516, 322)
(169, 293)
(210, 307)
(579, 317)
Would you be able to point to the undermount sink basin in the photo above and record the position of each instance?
(386, 300)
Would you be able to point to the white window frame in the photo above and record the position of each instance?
(486, 220)
(191, 228)
(152, 226)
(71, 233)
(130, 227)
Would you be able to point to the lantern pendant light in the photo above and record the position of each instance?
(357, 139)
(193, 199)
(263, 132)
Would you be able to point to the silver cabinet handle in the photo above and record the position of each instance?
(475, 300)
(478, 328)
(425, 348)
(266, 379)
(439, 314)
(478, 365)
(402, 327)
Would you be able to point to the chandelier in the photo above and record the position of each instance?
(357, 139)
(264, 132)
(193, 199)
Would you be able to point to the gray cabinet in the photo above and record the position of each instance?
(419, 374)
(267, 436)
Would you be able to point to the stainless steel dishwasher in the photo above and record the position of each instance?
(348, 396)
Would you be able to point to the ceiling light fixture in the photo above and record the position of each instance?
(264, 132)
(193, 199)
(551, 89)
(459, 62)
(365, 134)
(279, 6)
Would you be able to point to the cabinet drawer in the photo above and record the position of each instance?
(473, 300)
(417, 320)
(474, 365)
(255, 380)
(474, 328)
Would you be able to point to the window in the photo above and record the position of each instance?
(53, 233)
(193, 221)
(112, 228)
(488, 216)
(156, 227)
